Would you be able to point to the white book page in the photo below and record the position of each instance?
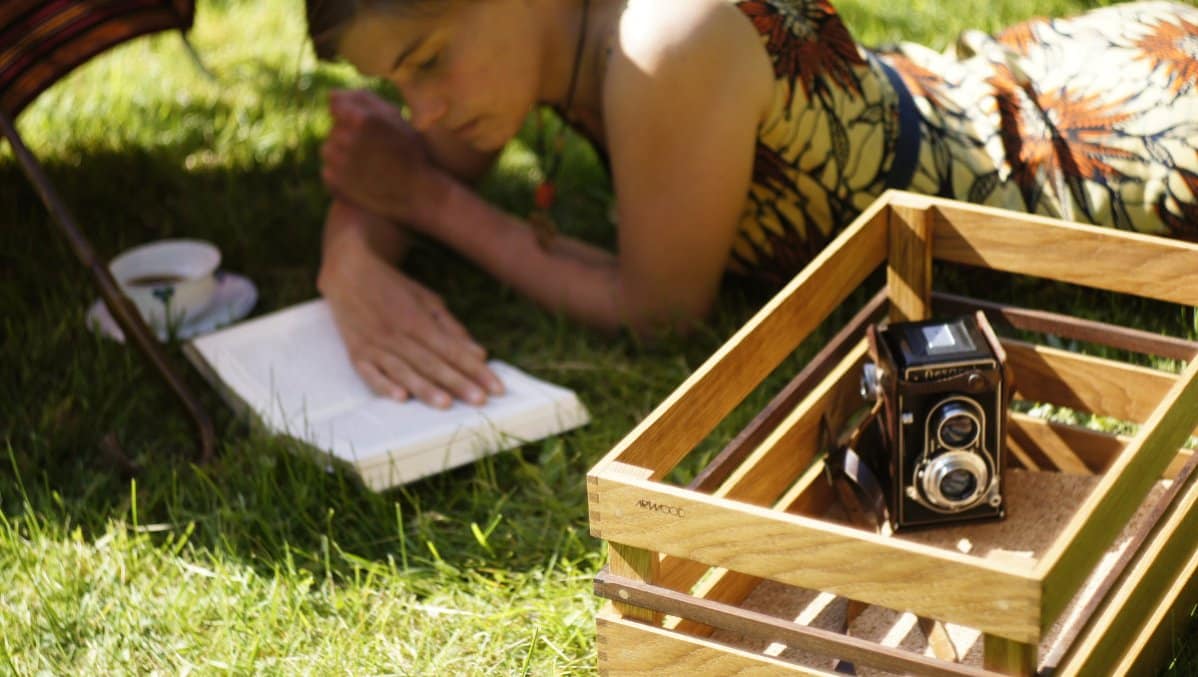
(292, 369)
(289, 366)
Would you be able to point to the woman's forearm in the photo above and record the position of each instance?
(570, 276)
(347, 222)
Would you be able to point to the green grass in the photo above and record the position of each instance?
(267, 561)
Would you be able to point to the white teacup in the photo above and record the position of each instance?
(170, 281)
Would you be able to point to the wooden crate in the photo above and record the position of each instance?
(683, 559)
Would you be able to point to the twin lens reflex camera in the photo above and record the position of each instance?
(940, 390)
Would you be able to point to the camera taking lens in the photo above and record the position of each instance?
(954, 480)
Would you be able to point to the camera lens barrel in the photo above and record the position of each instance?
(956, 480)
(956, 424)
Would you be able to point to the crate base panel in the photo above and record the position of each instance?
(1031, 523)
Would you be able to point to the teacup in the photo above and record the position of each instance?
(170, 281)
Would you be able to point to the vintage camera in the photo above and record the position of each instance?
(943, 388)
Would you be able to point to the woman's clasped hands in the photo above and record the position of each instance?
(374, 159)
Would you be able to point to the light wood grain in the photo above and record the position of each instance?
(1008, 657)
(1085, 383)
(639, 564)
(1122, 488)
(797, 440)
(811, 494)
(909, 264)
(1002, 599)
(782, 455)
(1095, 449)
(1124, 631)
(1103, 258)
(768, 419)
(750, 623)
(1070, 328)
(628, 648)
(690, 413)
(1067, 446)
(1157, 641)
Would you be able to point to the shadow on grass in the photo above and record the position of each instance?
(269, 499)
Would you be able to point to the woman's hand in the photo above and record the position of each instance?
(373, 158)
(401, 338)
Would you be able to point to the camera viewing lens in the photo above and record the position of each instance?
(959, 484)
(957, 425)
(958, 430)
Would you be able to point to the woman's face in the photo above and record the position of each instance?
(471, 70)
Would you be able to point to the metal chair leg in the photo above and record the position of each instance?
(122, 309)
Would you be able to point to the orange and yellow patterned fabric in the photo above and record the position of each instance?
(1092, 118)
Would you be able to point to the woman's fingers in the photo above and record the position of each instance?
(467, 356)
(378, 381)
(427, 364)
(434, 380)
(456, 346)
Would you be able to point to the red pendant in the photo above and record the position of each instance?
(544, 195)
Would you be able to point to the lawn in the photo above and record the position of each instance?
(267, 560)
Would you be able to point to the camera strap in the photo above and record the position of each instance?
(857, 486)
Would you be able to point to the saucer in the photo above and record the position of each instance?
(233, 299)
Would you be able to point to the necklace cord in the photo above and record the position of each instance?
(545, 194)
(552, 162)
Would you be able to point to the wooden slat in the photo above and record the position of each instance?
(1067, 445)
(1159, 576)
(1157, 642)
(720, 467)
(811, 494)
(628, 648)
(690, 413)
(1122, 488)
(634, 563)
(1093, 384)
(783, 454)
(1008, 657)
(1002, 599)
(1052, 443)
(1071, 328)
(1102, 258)
(762, 626)
(1099, 593)
(641, 564)
(791, 447)
(909, 264)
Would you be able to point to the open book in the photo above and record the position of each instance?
(291, 371)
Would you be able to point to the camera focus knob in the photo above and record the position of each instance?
(869, 382)
(974, 382)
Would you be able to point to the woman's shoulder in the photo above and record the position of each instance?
(668, 40)
(658, 29)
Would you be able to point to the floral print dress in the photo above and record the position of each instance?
(1092, 119)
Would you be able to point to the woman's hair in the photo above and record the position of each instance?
(328, 19)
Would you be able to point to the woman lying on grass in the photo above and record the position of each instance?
(740, 136)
